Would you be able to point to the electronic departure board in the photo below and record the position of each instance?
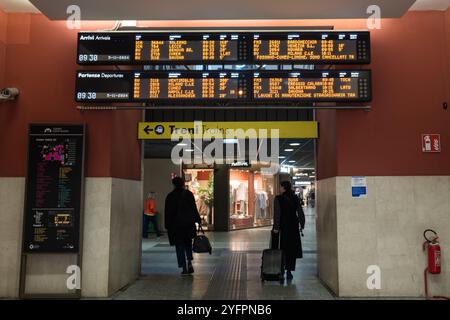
(152, 48)
(313, 86)
(54, 188)
(237, 87)
(159, 86)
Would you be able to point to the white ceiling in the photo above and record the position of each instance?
(26, 6)
(17, 6)
(431, 5)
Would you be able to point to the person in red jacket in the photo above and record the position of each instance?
(150, 215)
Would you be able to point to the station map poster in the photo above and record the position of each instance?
(54, 188)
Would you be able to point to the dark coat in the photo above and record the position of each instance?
(288, 217)
(181, 214)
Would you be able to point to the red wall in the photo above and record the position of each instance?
(3, 21)
(409, 88)
(410, 65)
(386, 140)
(326, 149)
(41, 62)
(447, 49)
(40, 59)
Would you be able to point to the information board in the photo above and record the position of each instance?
(237, 47)
(99, 86)
(312, 47)
(161, 48)
(232, 87)
(54, 188)
(313, 86)
(189, 86)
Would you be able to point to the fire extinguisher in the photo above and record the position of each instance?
(431, 245)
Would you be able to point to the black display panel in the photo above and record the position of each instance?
(190, 48)
(160, 86)
(54, 189)
(105, 48)
(151, 48)
(312, 47)
(161, 48)
(313, 86)
(209, 86)
(233, 87)
(105, 86)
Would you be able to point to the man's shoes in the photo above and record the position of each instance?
(289, 275)
(185, 272)
(190, 268)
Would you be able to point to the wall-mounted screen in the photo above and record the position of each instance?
(313, 86)
(233, 87)
(312, 47)
(189, 86)
(237, 47)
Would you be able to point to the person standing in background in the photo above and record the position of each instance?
(150, 215)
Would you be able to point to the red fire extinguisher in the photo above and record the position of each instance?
(434, 258)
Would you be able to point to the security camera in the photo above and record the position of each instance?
(9, 93)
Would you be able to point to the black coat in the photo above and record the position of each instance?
(288, 217)
(181, 214)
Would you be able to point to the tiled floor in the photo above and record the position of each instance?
(231, 272)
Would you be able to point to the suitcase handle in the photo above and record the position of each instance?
(271, 239)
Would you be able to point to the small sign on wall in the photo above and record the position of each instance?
(431, 143)
(359, 187)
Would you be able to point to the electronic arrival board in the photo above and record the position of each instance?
(151, 48)
(233, 87)
(161, 48)
(312, 47)
(54, 188)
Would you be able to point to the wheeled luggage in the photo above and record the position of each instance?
(272, 266)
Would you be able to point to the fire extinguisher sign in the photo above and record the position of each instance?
(431, 143)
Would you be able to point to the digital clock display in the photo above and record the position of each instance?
(103, 86)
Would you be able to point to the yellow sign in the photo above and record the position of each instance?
(199, 129)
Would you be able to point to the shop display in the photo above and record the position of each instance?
(251, 196)
(201, 183)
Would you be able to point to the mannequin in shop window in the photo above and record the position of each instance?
(203, 209)
(181, 214)
(288, 219)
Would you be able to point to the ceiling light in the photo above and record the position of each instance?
(296, 144)
(288, 150)
(230, 141)
(292, 161)
(182, 144)
(189, 150)
(281, 157)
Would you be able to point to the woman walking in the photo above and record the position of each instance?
(181, 214)
(288, 218)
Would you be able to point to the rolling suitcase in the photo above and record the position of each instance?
(272, 266)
